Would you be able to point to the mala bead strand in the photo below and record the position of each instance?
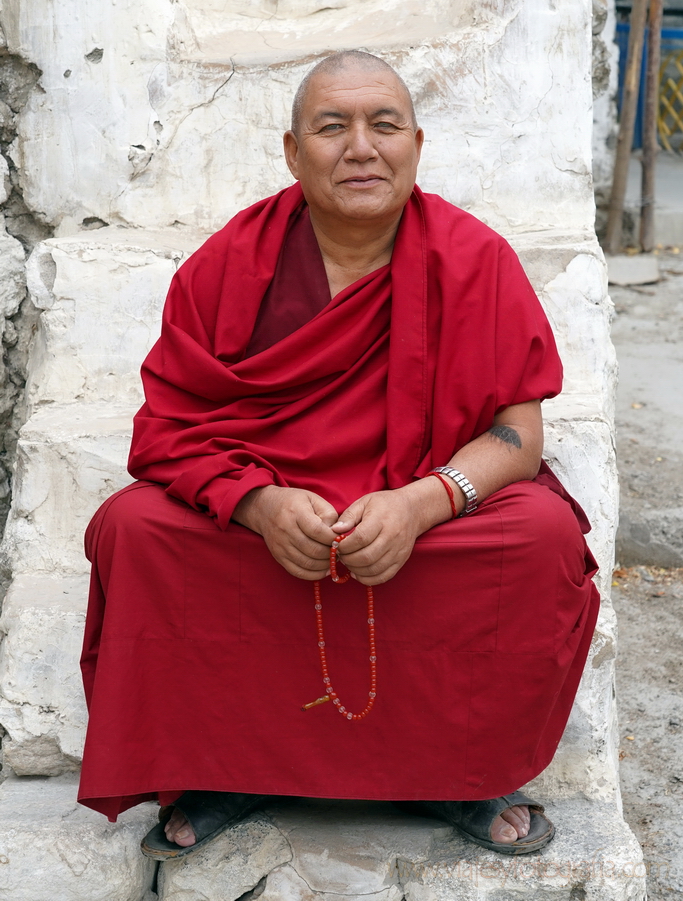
(330, 693)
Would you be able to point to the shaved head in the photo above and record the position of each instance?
(337, 64)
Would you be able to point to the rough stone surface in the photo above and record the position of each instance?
(605, 128)
(70, 459)
(18, 232)
(301, 851)
(51, 849)
(42, 707)
(101, 296)
(178, 119)
(229, 866)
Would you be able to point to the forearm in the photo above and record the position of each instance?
(509, 452)
(503, 455)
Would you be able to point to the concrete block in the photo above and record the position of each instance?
(52, 849)
(70, 458)
(42, 708)
(192, 132)
(639, 269)
(101, 294)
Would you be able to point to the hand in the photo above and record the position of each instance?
(295, 524)
(385, 527)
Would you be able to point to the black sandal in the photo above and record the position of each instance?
(473, 820)
(208, 813)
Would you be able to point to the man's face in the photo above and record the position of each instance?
(357, 151)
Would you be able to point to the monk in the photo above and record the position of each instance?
(348, 381)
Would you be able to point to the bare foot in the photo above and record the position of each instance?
(178, 830)
(512, 824)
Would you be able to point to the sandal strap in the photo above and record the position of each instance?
(207, 811)
(473, 817)
(477, 817)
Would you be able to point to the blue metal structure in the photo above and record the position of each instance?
(672, 39)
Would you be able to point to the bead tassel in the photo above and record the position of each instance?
(330, 693)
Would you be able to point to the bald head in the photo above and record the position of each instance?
(337, 64)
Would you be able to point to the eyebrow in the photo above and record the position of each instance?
(385, 111)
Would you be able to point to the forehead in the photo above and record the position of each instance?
(354, 87)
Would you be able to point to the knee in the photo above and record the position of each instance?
(134, 511)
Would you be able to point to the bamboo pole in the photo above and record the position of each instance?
(647, 203)
(627, 122)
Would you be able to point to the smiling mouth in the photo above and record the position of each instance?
(362, 180)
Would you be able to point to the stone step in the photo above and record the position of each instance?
(53, 849)
(299, 850)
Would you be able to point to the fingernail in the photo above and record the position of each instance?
(509, 832)
(183, 833)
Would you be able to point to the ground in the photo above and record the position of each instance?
(647, 332)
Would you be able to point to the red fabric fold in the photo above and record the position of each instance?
(468, 338)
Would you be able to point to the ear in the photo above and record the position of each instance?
(291, 146)
(419, 141)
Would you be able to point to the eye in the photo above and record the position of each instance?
(385, 126)
(331, 128)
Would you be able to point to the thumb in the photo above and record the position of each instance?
(323, 509)
(350, 518)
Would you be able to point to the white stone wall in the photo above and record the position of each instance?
(158, 120)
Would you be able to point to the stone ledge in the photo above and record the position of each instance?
(349, 850)
(53, 849)
(299, 850)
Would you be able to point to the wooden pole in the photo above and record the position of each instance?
(647, 203)
(627, 122)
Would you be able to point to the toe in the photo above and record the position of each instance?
(502, 831)
(178, 830)
(519, 818)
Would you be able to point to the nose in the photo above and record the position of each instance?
(360, 146)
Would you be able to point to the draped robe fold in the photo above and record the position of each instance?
(200, 649)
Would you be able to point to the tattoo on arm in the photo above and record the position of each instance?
(507, 435)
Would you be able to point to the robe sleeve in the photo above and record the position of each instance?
(188, 389)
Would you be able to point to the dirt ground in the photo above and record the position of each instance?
(649, 605)
(648, 334)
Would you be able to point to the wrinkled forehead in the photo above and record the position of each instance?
(354, 87)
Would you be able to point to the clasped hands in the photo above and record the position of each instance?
(299, 527)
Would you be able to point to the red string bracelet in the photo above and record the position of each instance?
(449, 491)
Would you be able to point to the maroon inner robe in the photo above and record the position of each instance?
(200, 649)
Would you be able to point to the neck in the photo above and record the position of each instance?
(350, 251)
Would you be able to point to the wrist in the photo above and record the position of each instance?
(429, 503)
(249, 511)
(465, 489)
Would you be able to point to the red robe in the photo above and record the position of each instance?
(200, 649)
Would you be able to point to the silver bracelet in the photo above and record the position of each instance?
(463, 484)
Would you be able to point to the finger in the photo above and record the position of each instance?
(323, 509)
(314, 528)
(350, 518)
(376, 573)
